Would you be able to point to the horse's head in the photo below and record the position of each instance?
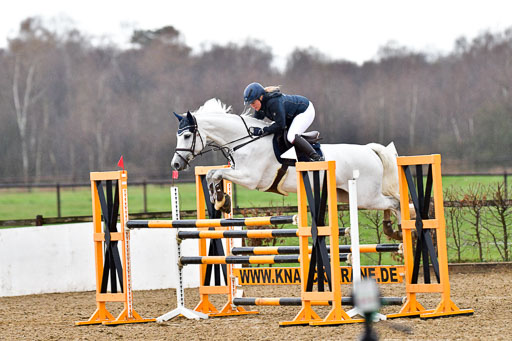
(189, 143)
(219, 129)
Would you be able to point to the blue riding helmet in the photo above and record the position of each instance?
(252, 92)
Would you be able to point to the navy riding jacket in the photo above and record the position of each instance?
(281, 109)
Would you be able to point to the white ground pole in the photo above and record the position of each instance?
(180, 294)
(354, 241)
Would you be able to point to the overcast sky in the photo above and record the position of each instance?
(351, 30)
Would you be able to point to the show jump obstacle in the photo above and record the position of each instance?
(216, 252)
(108, 206)
(317, 220)
(425, 224)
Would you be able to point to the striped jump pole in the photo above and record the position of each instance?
(276, 233)
(246, 259)
(198, 223)
(291, 250)
(297, 301)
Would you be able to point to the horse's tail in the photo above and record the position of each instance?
(388, 157)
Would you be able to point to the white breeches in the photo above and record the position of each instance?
(301, 122)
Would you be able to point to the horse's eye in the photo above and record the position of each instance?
(187, 136)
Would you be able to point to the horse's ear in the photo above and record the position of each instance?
(190, 117)
(178, 116)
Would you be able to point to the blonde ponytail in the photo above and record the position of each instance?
(273, 88)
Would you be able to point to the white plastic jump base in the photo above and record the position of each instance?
(376, 316)
(188, 313)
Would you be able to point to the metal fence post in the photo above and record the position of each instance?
(145, 193)
(58, 200)
(505, 175)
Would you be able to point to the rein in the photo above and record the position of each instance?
(235, 148)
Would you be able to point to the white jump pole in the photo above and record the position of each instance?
(354, 242)
(180, 294)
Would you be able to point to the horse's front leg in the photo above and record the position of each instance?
(221, 200)
(214, 179)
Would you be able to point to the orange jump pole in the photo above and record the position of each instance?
(190, 223)
(274, 259)
(253, 234)
(295, 301)
(426, 251)
(111, 266)
(290, 250)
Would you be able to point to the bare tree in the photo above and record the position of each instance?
(454, 222)
(374, 219)
(497, 224)
(69, 107)
(474, 200)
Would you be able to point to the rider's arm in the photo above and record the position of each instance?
(279, 117)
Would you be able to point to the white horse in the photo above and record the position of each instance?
(255, 166)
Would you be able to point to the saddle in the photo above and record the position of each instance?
(281, 145)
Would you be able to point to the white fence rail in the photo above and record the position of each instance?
(60, 258)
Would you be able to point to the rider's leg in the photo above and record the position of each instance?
(305, 148)
(299, 125)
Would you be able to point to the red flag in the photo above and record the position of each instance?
(174, 174)
(121, 163)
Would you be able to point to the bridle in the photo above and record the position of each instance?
(226, 151)
(193, 128)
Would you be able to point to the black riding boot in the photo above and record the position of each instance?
(303, 147)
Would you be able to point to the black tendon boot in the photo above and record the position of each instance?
(303, 147)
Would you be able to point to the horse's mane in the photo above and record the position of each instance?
(213, 105)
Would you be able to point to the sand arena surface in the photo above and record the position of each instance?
(52, 316)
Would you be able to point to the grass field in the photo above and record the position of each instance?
(16, 204)
(23, 204)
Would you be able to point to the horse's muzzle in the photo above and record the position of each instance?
(176, 166)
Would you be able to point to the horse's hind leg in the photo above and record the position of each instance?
(387, 227)
(342, 195)
(388, 204)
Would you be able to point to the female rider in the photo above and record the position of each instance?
(287, 111)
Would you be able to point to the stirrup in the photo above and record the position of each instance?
(315, 157)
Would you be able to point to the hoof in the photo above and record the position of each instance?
(219, 191)
(224, 205)
(388, 230)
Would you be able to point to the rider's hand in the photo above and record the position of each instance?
(256, 131)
